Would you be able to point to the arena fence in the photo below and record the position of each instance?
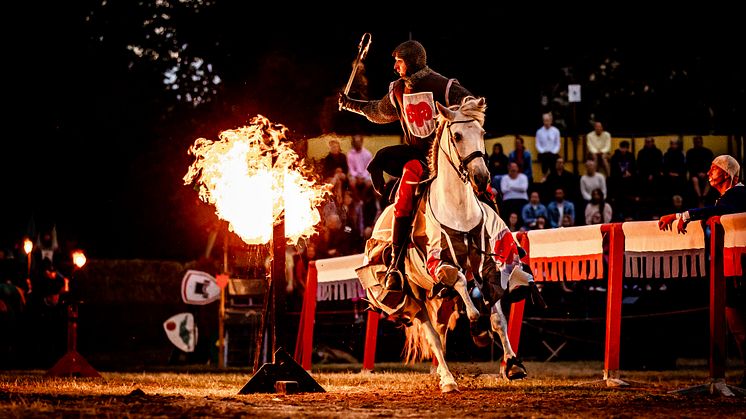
(609, 251)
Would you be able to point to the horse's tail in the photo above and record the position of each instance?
(416, 345)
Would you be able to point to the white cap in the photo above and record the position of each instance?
(727, 163)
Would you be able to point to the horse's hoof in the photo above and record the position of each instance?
(482, 340)
(450, 388)
(514, 369)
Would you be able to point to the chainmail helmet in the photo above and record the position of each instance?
(413, 54)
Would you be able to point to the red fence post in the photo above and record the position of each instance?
(516, 310)
(309, 315)
(717, 301)
(614, 301)
(371, 334)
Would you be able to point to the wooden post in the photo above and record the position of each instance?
(309, 305)
(221, 307)
(278, 281)
(614, 301)
(371, 335)
(717, 301)
(516, 309)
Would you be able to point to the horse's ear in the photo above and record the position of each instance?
(481, 102)
(447, 113)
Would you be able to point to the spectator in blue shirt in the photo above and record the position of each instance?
(533, 210)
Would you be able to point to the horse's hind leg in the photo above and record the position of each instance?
(447, 382)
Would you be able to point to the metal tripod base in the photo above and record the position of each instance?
(283, 369)
(73, 365)
(715, 386)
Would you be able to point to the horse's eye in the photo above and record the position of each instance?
(457, 136)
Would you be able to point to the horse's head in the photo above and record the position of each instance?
(463, 125)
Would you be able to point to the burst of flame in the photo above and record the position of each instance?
(79, 259)
(251, 175)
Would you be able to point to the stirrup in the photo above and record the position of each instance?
(394, 280)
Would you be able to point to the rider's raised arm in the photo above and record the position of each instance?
(377, 111)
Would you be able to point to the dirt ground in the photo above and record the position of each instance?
(561, 389)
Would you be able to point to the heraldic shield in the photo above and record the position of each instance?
(419, 109)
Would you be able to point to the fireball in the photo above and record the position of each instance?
(255, 179)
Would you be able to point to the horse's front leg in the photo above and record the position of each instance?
(447, 382)
(513, 368)
(449, 274)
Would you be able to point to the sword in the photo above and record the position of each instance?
(362, 51)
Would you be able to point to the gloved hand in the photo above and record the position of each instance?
(681, 226)
(665, 222)
(351, 105)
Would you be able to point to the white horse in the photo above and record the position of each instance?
(453, 234)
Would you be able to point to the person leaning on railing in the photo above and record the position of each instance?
(723, 177)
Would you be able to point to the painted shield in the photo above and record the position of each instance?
(199, 288)
(419, 113)
(182, 331)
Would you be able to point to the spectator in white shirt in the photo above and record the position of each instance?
(514, 187)
(547, 144)
(591, 180)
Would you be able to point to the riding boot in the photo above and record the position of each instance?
(400, 241)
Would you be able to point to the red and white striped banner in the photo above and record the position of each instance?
(652, 253)
(566, 253)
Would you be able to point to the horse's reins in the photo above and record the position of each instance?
(463, 162)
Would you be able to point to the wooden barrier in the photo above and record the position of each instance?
(612, 348)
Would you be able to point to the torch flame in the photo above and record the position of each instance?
(251, 175)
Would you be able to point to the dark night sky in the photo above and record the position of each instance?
(95, 144)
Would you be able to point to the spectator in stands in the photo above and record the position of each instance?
(698, 161)
(649, 171)
(559, 208)
(598, 142)
(724, 176)
(677, 205)
(531, 211)
(622, 179)
(674, 169)
(498, 165)
(335, 159)
(547, 144)
(357, 160)
(522, 158)
(541, 223)
(514, 224)
(567, 221)
(591, 180)
(598, 211)
(561, 178)
(513, 188)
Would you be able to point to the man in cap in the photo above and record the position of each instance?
(411, 101)
(724, 177)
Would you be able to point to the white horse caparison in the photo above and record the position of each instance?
(451, 200)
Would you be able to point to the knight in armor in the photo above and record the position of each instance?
(410, 100)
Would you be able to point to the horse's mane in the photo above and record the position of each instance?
(471, 108)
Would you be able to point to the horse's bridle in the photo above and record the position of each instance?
(463, 162)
